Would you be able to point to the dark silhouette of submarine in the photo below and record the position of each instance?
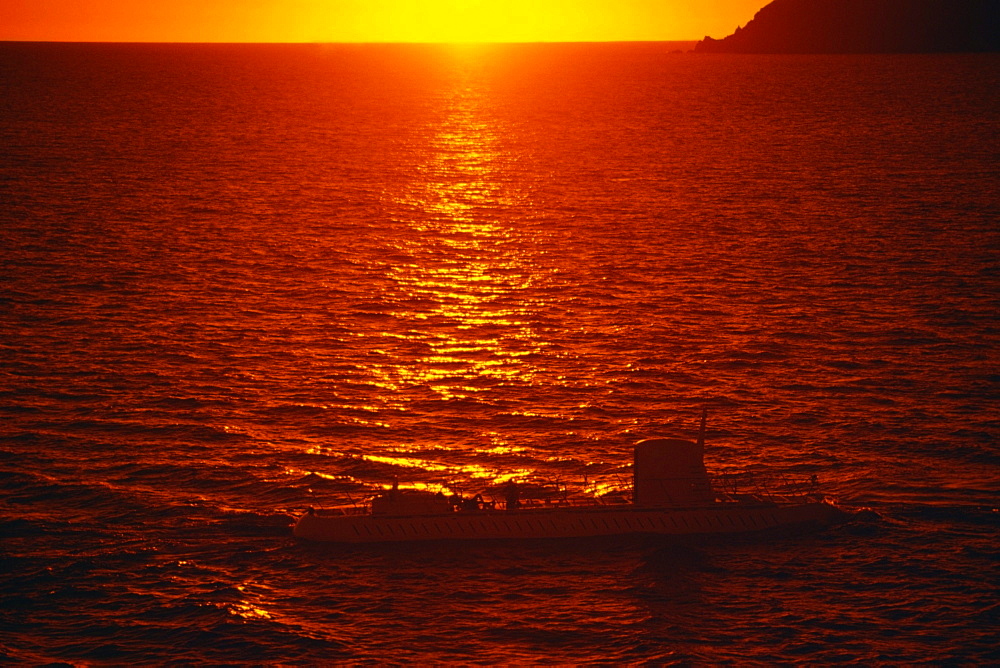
(866, 26)
(672, 494)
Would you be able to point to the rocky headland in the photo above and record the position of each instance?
(866, 26)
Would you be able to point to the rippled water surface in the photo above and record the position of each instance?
(237, 281)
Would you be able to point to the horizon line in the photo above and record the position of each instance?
(358, 43)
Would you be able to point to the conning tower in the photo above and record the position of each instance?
(671, 472)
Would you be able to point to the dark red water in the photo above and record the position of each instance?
(236, 281)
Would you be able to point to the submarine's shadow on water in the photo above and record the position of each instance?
(515, 569)
(520, 600)
(646, 567)
(622, 599)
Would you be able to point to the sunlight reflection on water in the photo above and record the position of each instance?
(469, 264)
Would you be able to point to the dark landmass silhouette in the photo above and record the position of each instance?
(866, 26)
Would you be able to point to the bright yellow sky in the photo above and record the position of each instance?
(371, 20)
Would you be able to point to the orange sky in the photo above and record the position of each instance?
(370, 20)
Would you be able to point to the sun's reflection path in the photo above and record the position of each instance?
(465, 292)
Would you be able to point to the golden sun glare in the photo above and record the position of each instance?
(462, 21)
(470, 21)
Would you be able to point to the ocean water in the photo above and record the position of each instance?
(238, 281)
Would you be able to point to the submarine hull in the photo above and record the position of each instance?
(581, 522)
